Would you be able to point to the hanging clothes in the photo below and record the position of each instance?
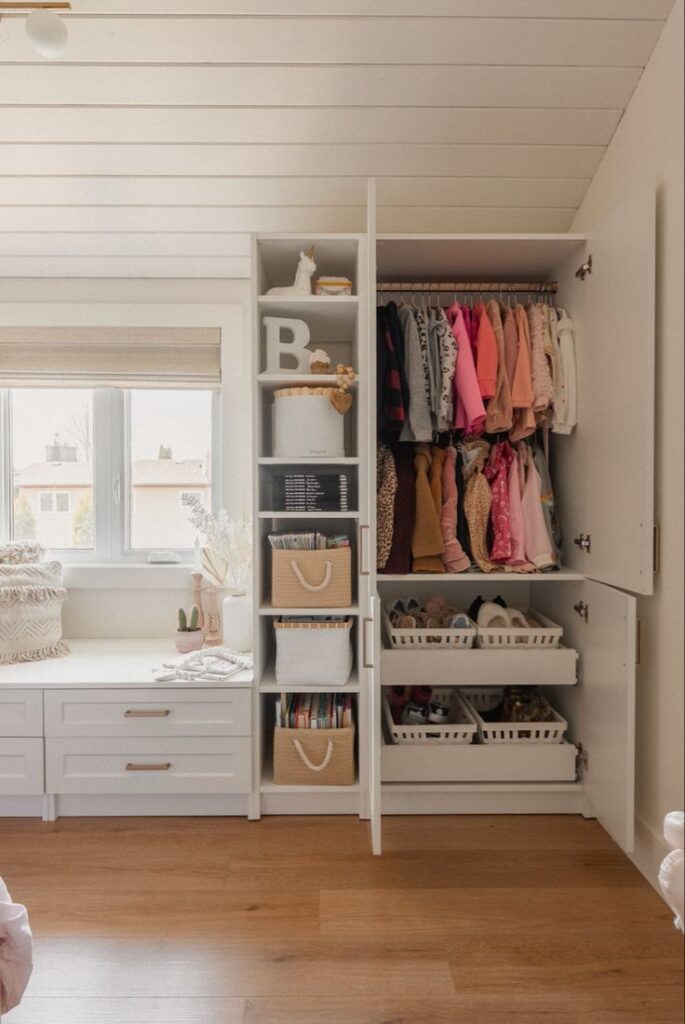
(537, 540)
(453, 556)
(462, 525)
(388, 381)
(392, 315)
(549, 505)
(417, 426)
(523, 395)
(516, 524)
(399, 561)
(447, 349)
(511, 347)
(497, 475)
(469, 408)
(566, 394)
(499, 409)
(386, 489)
(542, 384)
(477, 500)
(434, 365)
(486, 353)
(427, 543)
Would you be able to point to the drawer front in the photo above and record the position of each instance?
(148, 765)
(89, 713)
(21, 712)
(475, 762)
(21, 767)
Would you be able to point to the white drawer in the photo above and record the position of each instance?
(478, 762)
(149, 712)
(148, 765)
(21, 712)
(21, 767)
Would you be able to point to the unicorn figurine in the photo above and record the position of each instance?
(303, 278)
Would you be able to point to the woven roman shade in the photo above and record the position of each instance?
(154, 357)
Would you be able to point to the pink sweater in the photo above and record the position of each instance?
(470, 411)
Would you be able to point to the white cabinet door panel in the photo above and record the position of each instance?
(601, 709)
(21, 712)
(21, 767)
(604, 472)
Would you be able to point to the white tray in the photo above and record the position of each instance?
(547, 634)
(510, 732)
(404, 639)
(461, 727)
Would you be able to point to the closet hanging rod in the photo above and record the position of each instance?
(537, 287)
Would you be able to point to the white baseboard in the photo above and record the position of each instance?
(650, 850)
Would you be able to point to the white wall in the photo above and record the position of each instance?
(648, 148)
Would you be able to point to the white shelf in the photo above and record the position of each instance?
(267, 609)
(340, 460)
(475, 667)
(308, 515)
(318, 311)
(292, 380)
(269, 685)
(562, 576)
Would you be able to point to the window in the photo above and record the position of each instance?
(99, 475)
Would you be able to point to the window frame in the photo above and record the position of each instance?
(111, 479)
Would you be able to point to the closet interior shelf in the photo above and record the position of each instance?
(438, 287)
(558, 576)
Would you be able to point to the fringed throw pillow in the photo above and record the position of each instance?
(31, 598)
(21, 551)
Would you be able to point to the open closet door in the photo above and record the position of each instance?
(600, 710)
(604, 472)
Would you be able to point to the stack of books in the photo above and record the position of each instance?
(314, 711)
(310, 492)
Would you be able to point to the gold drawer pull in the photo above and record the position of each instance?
(147, 714)
(133, 767)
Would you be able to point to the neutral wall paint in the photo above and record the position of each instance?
(648, 148)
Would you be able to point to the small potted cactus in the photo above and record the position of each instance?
(189, 636)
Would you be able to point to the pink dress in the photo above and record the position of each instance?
(470, 411)
(518, 543)
(453, 556)
(538, 547)
(497, 475)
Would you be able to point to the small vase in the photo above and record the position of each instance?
(189, 640)
(237, 622)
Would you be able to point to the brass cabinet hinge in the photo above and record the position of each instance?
(582, 609)
(584, 269)
(584, 542)
(656, 556)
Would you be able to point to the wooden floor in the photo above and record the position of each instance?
(506, 920)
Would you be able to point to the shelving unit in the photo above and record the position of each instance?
(338, 324)
(591, 679)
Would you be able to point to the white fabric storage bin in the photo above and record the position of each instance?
(307, 425)
(313, 653)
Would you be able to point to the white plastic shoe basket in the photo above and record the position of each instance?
(306, 424)
(313, 653)
(547, 634)
(479, 700)
(461, 727)
(404, 639)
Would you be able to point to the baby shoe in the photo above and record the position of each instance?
(398, 696)
(438, 712)
(459, 621)
(421, 695)
(517, 619)
(414, 714)
(434, 607)
(492, 616)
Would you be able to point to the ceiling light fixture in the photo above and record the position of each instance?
(46, 31)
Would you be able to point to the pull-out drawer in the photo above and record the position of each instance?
(153, 712)
(148, 765)
(478, 762)
(21, 767)
(475, 667)
(21, 712)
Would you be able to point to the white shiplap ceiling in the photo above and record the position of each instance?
(173, 128)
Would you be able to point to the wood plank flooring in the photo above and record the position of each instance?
(485, 920)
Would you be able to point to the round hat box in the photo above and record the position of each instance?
(307, 425)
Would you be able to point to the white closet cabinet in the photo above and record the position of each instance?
(603, 479)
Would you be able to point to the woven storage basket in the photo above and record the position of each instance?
(311, 579)
(306, 424)
(313, 653)
(478, 700)
(409, 639)
(314, 757)
(547, 634)
(461, 727)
